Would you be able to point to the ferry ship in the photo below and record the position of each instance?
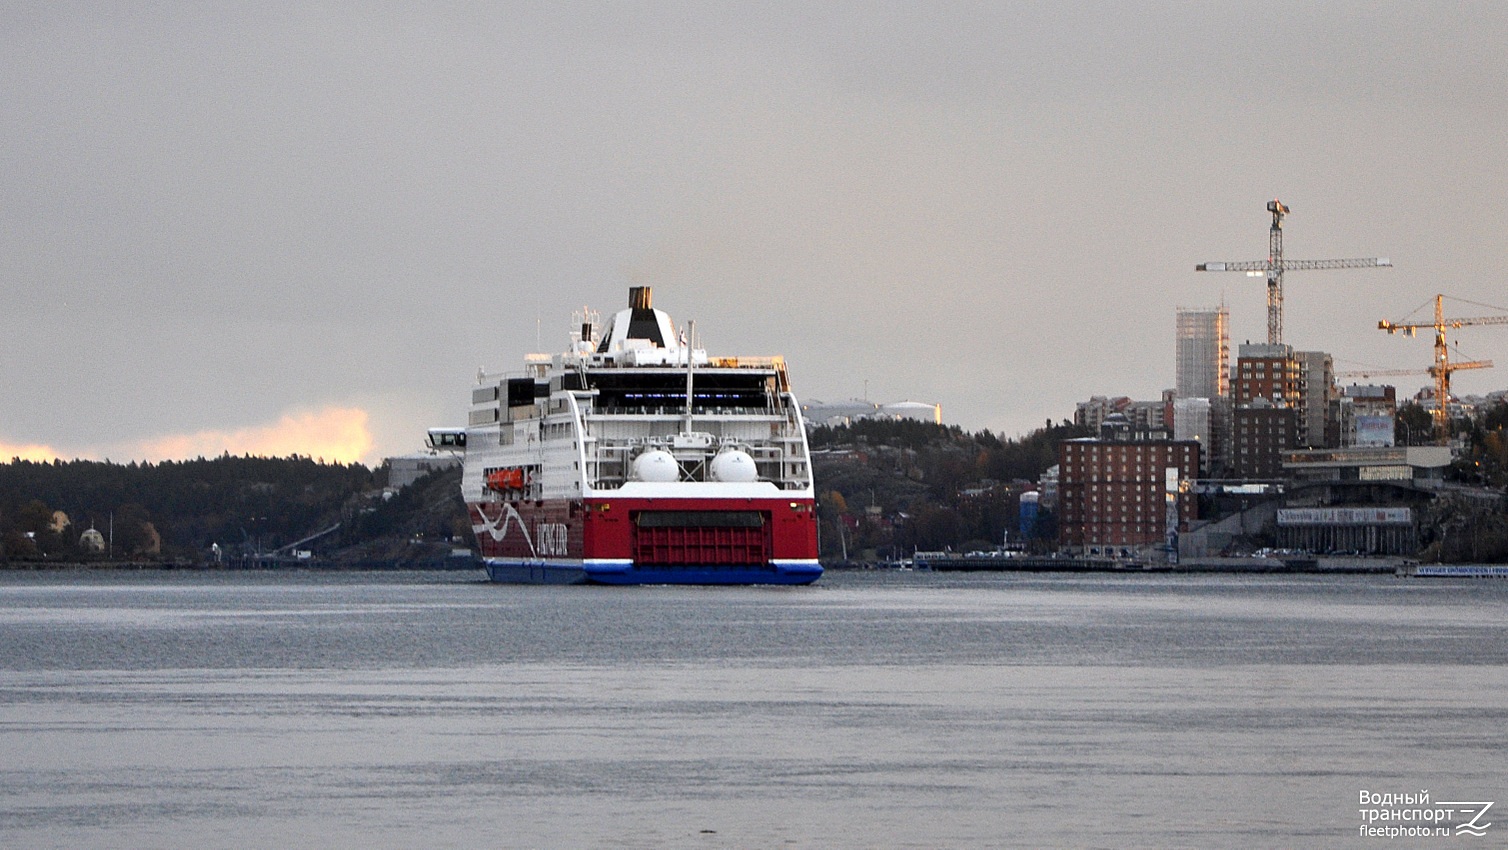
(634, 458)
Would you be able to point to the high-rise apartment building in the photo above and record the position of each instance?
(1283, 399)
(1317, 391)
(1263, 433)
(1278, 376)
(1266, 372)
(1203, 350)
(1142, 415)
(1265, 391)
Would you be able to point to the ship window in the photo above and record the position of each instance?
(666, 390)
(521, 391)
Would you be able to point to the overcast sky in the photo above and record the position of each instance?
(302, 227)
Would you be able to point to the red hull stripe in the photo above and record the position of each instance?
(660, 532)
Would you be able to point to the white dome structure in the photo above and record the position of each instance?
(656, 465)
(92, 541)
(734, 465)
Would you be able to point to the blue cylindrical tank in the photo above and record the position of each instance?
(1028, 523)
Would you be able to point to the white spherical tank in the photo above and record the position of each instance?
(734, 465)
(656, 465)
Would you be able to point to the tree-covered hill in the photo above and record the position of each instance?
(889, 487)
(885, 489)
(180, 510)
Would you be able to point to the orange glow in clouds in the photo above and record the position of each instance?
(335, 434)
(32, 452)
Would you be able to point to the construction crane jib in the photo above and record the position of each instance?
(1442, 368)
(1275, 265)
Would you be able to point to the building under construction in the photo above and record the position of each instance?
(1203, 352)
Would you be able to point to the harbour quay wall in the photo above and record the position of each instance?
(1300, 564)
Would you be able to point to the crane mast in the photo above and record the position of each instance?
(1275, 272)
(1275, 265)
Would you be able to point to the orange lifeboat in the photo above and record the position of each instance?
(503, 480)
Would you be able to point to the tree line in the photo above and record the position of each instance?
(885, 488)
(173, 509)
(889, 487)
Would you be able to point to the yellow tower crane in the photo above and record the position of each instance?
(1442, 368)
(1381, 373)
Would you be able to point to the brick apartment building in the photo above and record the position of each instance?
(1282, 399)
(1112, 489)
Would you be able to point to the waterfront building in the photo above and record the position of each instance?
(1359, 499)
(1364, 466)
(1363, 531)
(1113, 489)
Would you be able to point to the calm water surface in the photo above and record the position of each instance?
(318, 710)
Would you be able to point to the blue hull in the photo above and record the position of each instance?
(534, 573)
(568, 573)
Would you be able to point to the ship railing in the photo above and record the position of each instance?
(713, 444)
(679, 410)
(609, 462)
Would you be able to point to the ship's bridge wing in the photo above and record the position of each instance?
(447, 438)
